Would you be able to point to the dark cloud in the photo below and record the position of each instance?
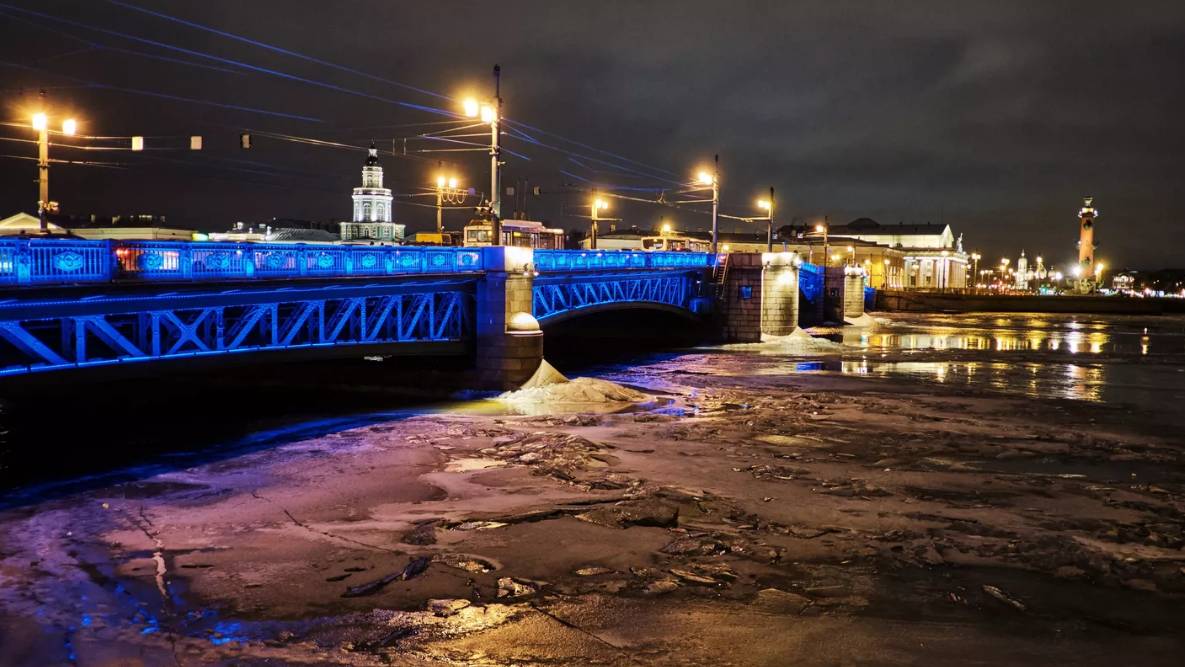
(994, 116)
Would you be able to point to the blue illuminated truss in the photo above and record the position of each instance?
(48, 335)
(565, 294)
(71, 303)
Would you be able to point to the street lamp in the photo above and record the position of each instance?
(41, 125)
(713, 180)
(768, 206)
(822, 229)
(446, 192)
(492, 113)
(598, 205)
(975, 257)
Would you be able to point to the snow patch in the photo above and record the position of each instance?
(587, 393)
(864, 320)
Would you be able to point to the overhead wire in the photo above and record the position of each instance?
(263, 70)
(276, 49)
(377, 78)
(515, 128)
(134, 91)
(520, 134)
(104, 47)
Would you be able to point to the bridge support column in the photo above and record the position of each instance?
(853, 292)
(509, 341)
(779, 294)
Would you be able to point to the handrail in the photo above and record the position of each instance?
(39, 261)
(584, 260)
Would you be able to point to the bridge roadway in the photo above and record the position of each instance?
(69, 305)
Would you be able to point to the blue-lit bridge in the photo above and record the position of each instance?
(73, 304)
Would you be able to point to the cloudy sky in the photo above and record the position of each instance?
(996, 117)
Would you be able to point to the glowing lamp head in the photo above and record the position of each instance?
(488, 114)
(762, 204)
(452, 183)
(440, 181)
(69, 126)
(705, 178)
(666, 228)
(40, 122)
(819, 228)
(1038, 259)
(471, 108)
(1077, 271)
(886, 262)
(1004, 262)
(601, 204)
(726, 248)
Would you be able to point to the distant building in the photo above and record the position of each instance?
(933, 258)
(119, 227)
(372, 208)
(280, 230)
(23, 224)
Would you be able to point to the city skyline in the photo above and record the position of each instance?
(899, 118)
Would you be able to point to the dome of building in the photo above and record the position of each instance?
(372, 158)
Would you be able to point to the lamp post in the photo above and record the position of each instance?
(597, 206)
(446, 190)
(492, 113)
(975, 257)
(713, 180)
(823, 230)
(768, 206)
(41, 124)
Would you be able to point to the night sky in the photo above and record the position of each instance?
(995, 117)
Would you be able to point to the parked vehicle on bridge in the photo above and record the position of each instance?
(522, 233)
(442, 239)
(674, 244)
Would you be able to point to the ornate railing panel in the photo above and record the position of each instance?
(584, 260)
(553, 297)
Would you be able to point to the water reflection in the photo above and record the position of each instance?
(1073, 381)
(1072, 334)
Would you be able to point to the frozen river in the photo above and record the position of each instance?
(1115, 360)
(916, 492)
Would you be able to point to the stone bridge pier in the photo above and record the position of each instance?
(509, 340)
(758, 296)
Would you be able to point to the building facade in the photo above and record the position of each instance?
(372, 220)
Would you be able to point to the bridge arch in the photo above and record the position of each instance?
(559, 297)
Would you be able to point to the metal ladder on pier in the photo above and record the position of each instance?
(720, 275)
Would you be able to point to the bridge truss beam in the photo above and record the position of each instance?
(560, 295)
(188, 328)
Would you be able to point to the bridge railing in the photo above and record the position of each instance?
(581, 260)
(38, 261)
(62, 261)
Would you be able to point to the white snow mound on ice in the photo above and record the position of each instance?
(580, 390)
